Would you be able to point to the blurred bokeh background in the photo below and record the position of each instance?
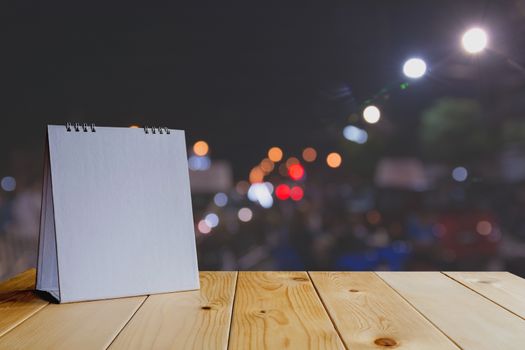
(311, 144)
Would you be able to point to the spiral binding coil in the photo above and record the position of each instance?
(77, 127)
(154, 130)
(91, 127)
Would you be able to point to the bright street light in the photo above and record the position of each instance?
(474, 40)
(371, 114)
(414, 68)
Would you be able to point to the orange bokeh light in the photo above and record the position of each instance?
(334, 160)
(291, 161)
(309, 154)
(275, 154)
(256, 175)
(266, 165)
(484, 228)
(200, 148)
(373, 217)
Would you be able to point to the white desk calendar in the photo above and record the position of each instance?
(116, 214)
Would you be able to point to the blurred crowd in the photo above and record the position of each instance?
(337, 225)
(19, 224)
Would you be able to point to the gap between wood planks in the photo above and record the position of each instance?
(233, 309)
(23, 285)
(156, 327)
(326, 309)
(29, 294)
(318, 294)
(127, 322)
(419, 312)
(483, 295)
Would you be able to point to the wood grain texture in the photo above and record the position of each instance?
(370, 315)
(466, 317)
(17, 301)
(503, 288)
(88, 325)
(280, 310)
(184, 320)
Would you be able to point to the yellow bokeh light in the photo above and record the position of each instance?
(256, 175)
(266, 165)
(333, 160)
(200, 148)
(134, 126)
(275, 154)
(309, 154)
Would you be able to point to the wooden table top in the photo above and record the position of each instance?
(281, 310)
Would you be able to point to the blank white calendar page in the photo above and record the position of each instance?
(123, 214)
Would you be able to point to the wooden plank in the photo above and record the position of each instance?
(278, 310)
(88, 325)
(17, 301)
(466, 317)
(369, 314)
(503, 288)
(17, 307)
(185, 320)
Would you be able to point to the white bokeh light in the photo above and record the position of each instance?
(460, 174)
(474, 40)
(197, 163)
(220, 199)
(414, 68)
(8, 183)
(355, 134)
(371, 114)
(261, 193)
(245, 214)
(212, 220)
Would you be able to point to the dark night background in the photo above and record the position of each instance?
(254, 74)
(247, 76)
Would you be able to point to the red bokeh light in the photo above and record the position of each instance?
(282, 192)
(296, 171)
(296, 193)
